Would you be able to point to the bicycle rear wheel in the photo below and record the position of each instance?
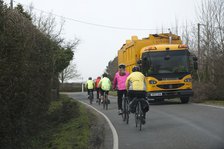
(106, 100)
(140, 115)
(104, 104)
(91, 97)
(136, 116)
(123, 109)
(99, 100)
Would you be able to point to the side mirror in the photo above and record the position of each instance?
(139, 62)
(195, 58)
(195, 65)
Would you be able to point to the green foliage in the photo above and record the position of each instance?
(25, 76)
(112, 68)
(73, 134)
(63, 56)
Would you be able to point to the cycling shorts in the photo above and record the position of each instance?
(103, 91)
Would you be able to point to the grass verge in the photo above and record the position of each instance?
(67, 126)
(214, 102)
(113, 93)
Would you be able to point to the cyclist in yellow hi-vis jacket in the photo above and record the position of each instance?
(89, 85)
(136, 87)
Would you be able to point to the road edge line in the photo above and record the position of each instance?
(205, 105)
(114, 132)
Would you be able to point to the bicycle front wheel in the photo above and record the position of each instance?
(127, 110)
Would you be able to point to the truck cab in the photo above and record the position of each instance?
(167, 68)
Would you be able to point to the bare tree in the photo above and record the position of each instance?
(211, 19)
(176, 25)
(48, 24)
(210, 46)
(64, 50)
(68, 73)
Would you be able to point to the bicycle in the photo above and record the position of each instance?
(125, 113)
(90, 96)
(99, 101)
(105, 101)
(139, 113)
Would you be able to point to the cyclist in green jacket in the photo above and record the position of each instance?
(104, 85)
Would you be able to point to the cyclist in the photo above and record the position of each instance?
(136, 86)
(104, 85)
(89, 85)
(96, 86)
(119, 84)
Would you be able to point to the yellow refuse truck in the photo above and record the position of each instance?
(166, 63)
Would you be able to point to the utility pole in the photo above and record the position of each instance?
(11, 4)
(170, 36)
(199, 48)
(199, 52)
(82, 85)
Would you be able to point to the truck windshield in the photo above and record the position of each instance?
(165, 62)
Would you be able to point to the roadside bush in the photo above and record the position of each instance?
(63, 111)
(30, 61)
(25, 78)
(206, 91)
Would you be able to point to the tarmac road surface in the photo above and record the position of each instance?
(169, 125)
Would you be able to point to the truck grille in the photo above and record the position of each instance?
(170, 79)
(170, 86)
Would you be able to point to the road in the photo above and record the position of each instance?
(169, 125)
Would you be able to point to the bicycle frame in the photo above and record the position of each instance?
(90, 96)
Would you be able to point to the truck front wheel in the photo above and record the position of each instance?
(184, 99)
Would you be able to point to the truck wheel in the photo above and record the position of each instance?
(184, 99)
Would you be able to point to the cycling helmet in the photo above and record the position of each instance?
(90, 78)
(135, 68)
(105, 75)
(122, 66)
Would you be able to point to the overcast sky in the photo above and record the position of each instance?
(99, 45)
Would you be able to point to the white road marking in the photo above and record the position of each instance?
(114, 132)
(201, 104)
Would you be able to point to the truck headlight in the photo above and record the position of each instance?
(188, 80)
(152, 82)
